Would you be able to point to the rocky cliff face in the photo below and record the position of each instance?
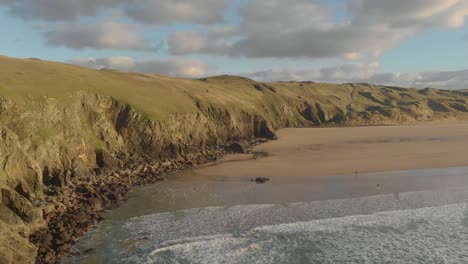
(77, 145)
(46, 146)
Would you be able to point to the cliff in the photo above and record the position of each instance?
(65, 129)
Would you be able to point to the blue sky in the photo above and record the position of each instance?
(333, 41)
(434, 50)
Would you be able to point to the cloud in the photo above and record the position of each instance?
(349, 72)
(55, 10)
(367, 73)
(345, 73)
(187, 42)
(172, 67)
(442, 80)
(215, 42)
(146, 11)
(267, 29)
(177, 11)
(97, 36)
(415, 13)
(305, 28)
(337, 74)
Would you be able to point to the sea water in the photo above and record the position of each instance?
(388, 226)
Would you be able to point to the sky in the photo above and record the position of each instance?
(417, 43)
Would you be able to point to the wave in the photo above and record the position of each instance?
(417, 227)
(426, 235)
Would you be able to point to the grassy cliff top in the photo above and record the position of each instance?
(158, 96)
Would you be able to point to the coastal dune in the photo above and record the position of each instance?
(331, 151)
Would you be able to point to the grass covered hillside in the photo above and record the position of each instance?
(61, 124)
(158, 96)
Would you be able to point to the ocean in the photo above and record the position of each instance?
(232, 220)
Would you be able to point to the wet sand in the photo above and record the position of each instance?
(333, 151)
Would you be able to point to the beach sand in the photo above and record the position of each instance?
(332, 151)
(200, 211)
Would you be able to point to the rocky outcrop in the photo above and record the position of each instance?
(77, 207)
(72, 161)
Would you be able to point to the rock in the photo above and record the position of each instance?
(160, 178)
(22, 207)
(261, 180)
(13, 247)
(89, 251)
(155, 166)
(263, 129)
(105, 160)
(166, 164)
(53, 178)
(95, 204)
(236, 147)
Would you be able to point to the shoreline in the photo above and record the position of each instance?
(185, 195)
(87, 200)
(334, 151)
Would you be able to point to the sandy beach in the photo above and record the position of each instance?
(332, 151)
(201, 212)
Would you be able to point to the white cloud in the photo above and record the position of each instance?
(187, 42)
(214, 41)
(415, 13)
(348, 72)
(66, 17)
(442, 80)
(97, 36)
(268, 29)
(367, 73)
(337, 74)
(172, 67)
(305, 28)
(121, 62)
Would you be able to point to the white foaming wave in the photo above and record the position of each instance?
(394, 219)
(212, 249)
(425, 235)
(221, 220)
(224, 244)
(278, 233)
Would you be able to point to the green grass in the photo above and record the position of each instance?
(156, 97)
(151, 94)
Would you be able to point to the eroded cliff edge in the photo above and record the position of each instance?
(73, 141)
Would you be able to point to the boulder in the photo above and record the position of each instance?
(260, 180)
(235, 147)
